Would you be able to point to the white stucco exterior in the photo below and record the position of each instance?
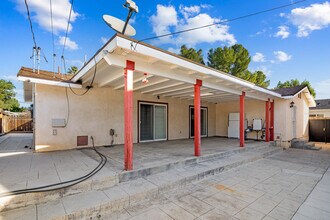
(101, 109)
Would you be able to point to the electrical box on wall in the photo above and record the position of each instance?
(58, 122)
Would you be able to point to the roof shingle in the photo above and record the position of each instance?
(289, 91)
(322, 104)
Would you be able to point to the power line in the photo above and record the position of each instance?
(66, 33)
(52, 26)
(31, 27)
(222, 22)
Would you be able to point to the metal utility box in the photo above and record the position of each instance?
(58, 122)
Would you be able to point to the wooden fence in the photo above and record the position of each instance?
(11, 123)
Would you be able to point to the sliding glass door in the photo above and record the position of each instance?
(153, 121)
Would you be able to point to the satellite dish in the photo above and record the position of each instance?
(119, 25)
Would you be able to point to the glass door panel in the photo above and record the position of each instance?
(146, 122)
(160, 122)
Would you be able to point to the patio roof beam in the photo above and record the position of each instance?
(135, 81)
(190, 91)
(151, 84)
(116, 60)
(163, 87)
(171, 90)
(114, 77)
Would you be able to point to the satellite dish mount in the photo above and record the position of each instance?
(121, 26)
(132, 8)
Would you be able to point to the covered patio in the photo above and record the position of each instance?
(133, 84)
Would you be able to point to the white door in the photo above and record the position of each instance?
(294, 122)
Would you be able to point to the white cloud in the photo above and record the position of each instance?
(167, 20)
(265, 70)
(104, 40)
(322, 89)
(164, 19)
(282, 14)
(40, 13)
(70, 45)
(309, 19)
(283, 32)
(189, 11)
(258, 57)
(282, 56)
(174, 50)
(11, 78)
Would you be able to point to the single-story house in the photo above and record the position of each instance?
(321, 110)
(131, 92)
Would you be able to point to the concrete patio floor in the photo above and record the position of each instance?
(286, 184)
(21, 168)
(150, 154)
(293, 184)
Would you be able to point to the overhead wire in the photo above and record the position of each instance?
(30, 21)
(66, 35)
(218, 23)
(90, 85)
(52, 27)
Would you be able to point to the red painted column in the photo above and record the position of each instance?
(267, 120)
(241, 120)
(128, 115)
(197, 115)
(272, 121)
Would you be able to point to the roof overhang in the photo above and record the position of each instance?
(168, 73)
(308, 95)
(29, 81)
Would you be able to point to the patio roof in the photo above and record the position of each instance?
(169, 75)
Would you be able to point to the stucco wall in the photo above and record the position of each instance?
(95, 113)
(254, 109)
(284, 120)
(101, 109)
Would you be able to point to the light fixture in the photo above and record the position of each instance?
(145, 79)
(291, 104)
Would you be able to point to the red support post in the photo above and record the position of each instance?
(128, 115)
(197, 115)
(267, 120)
(272, 120)
(241, 120)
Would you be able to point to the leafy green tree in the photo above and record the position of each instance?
(222, 59)
(296, 82)
(72, 70)
(235, 60)
(192, 54)
(7, 96)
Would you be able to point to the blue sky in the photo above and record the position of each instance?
(286, 44)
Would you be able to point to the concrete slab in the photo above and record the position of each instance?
(152, 214)
(193, 205)
(249, 214)
(176, 212)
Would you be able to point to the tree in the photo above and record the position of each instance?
(295, 82)
(235, 60)
(72, 70)
(192, 54)
(7, 96)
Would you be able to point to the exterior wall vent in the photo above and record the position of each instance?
(82, 140)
